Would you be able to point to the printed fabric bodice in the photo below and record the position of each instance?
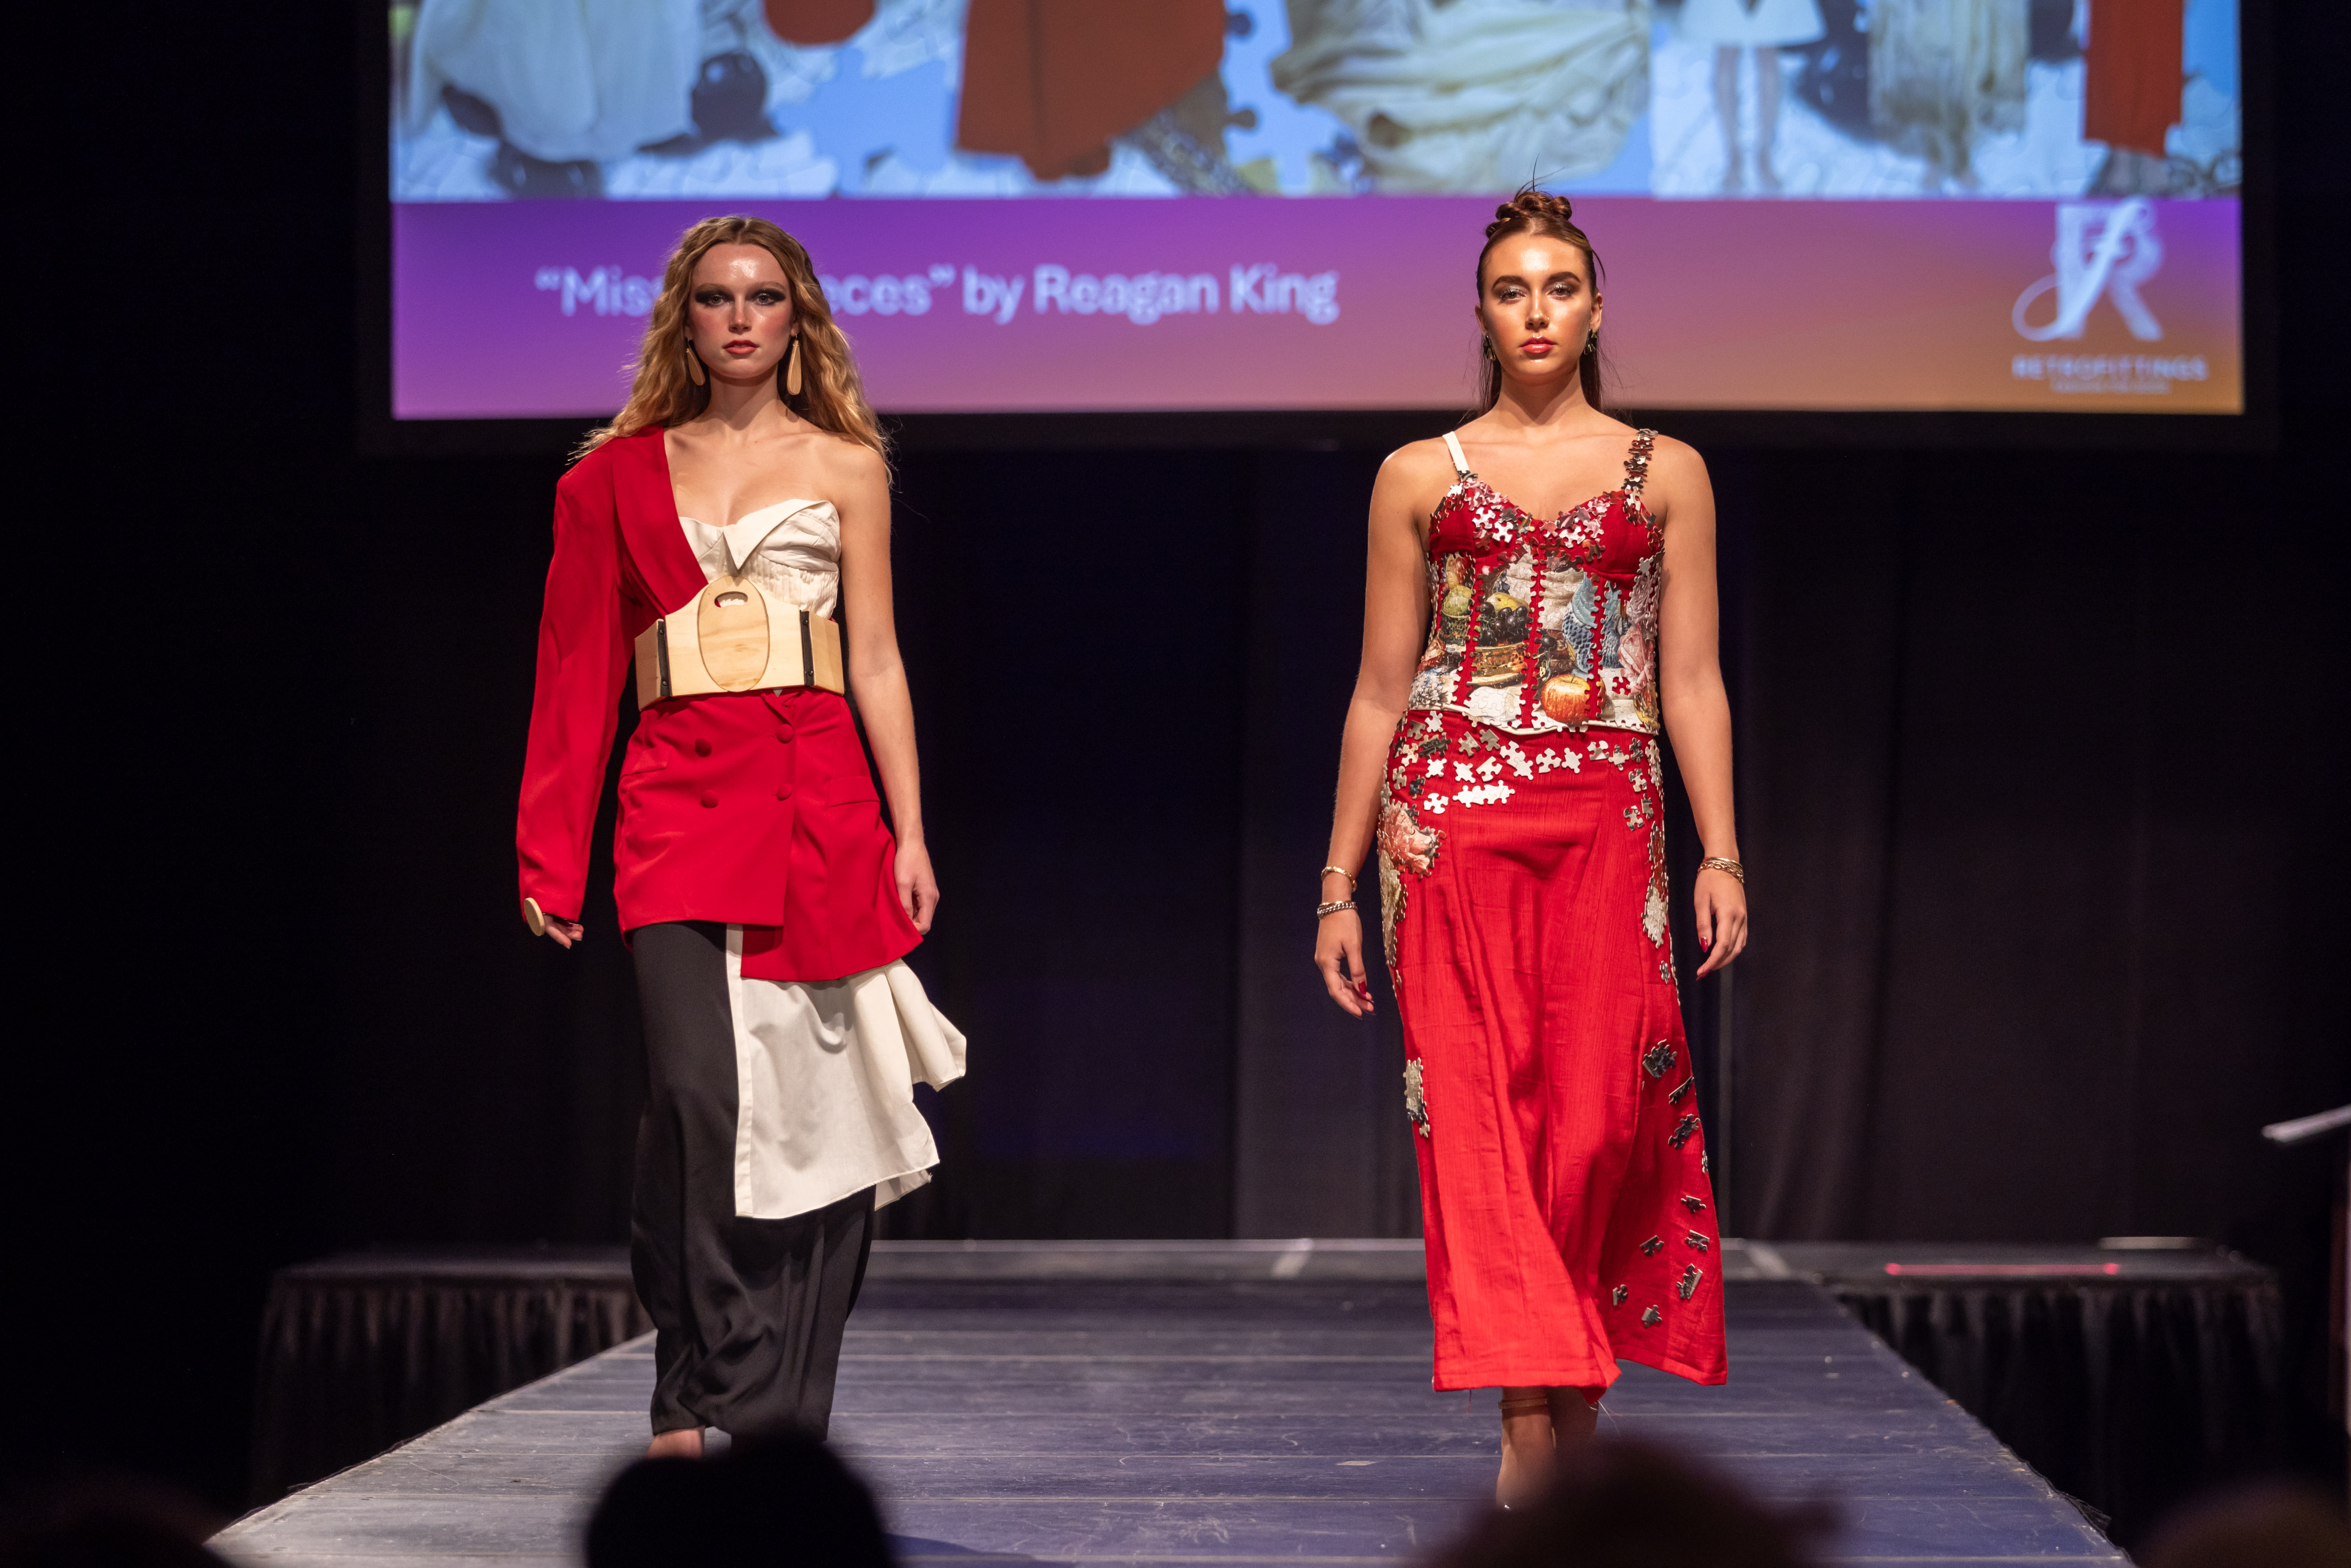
(1540, 624)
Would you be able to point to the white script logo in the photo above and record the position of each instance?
(2103, 249)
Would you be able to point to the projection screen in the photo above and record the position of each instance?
(1027, 206)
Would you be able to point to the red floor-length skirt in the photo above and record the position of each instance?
(1563, 1177)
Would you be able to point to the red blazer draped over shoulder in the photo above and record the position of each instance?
(751, 809)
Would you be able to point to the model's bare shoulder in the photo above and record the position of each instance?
(853, 475)
(1678, 486)
(848, 459)
(1428, 452)
(1675, 463)
(1415, 476)
(1416, 457)
(846, 449)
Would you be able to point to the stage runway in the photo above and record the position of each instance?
(1007, 1406)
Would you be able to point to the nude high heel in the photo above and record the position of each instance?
(1574, 1417)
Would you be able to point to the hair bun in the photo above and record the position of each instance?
(1531, 203)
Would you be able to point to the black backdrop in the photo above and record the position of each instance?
(2040, 757)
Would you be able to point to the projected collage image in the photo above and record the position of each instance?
(794, 99)
(1799, 203)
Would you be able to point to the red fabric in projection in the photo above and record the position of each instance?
(1053, 80)
(2135, 72)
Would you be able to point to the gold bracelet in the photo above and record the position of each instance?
(1724, 863)
(1348, 874)
(1332, 907)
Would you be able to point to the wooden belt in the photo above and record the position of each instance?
(734, 638)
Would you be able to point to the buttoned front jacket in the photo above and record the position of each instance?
(754, 809)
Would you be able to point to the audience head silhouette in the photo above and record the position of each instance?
(102, 1521)
(776, 1501)
(1625, 1505)
(2271, 1525)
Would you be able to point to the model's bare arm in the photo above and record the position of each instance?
(1395, 616)
(1698, 712)
(876, 673)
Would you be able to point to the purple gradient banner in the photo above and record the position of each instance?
(534, 308)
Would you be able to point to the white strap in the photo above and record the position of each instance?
(1460, 463)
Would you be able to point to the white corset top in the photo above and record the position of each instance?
(791, 550)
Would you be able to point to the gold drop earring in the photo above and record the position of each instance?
(793, 369)
(693, 371)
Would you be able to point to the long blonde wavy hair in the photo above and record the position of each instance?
(662, 394)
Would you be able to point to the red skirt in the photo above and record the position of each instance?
(1564, 1180)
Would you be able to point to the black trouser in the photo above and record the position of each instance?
(749, 1313)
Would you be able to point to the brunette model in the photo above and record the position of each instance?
(1540, 593)
(702, 545)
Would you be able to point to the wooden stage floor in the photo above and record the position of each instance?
(1006, 1406)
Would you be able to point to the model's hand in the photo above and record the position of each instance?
(1721, 903)
(918, 890)
(564, 932)
(1339, 954)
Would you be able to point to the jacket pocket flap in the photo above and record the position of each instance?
(850, 789)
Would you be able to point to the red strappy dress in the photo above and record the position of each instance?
(1564, 1179)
